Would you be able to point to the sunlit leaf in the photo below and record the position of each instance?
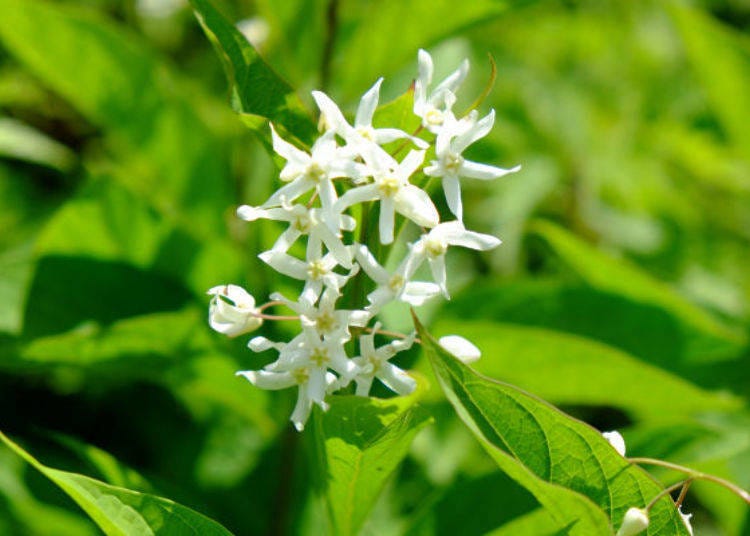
(567, 369)
(358, 443)
(120, 511)
(568, 466)
(257, 91)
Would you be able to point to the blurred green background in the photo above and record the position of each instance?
(621, 292)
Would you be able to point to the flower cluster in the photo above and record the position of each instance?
(356, 168)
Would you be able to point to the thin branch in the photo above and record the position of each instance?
(695, 475)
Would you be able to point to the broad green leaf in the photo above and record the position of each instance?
(23, 513)
(357, 444)
(567, 369)
(257, 91)
(152, 340)
(617, 276)
(567, 465)
(721, 59)
(119, 511)
(536, 523)
(69, 291)
(167, 154)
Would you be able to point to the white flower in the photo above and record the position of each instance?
(450, 165)
(395, 286)
(634, 522)
(362, 133)
(616, 440)
(460, 347)
(325, 319)
(373, 363)
(435, 108)
(316, 271)
(686, 520)
(320, 226)
(305, 172)
(312, 384)
(396, 194)
(433, 245)
(232, 311)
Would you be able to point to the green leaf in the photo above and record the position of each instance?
(616, 276)
(567, 465)
(357, 444)
(120, 511)
(257, 91)
(166, 152)
(21, 512)
(721, 58)
(567, 369)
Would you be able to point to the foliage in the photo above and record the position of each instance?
(620, 293)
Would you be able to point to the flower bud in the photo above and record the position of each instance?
(461, 348)
(232, 311)
(616, 440)
(634, 522)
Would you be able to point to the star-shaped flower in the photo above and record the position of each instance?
(451, 142)
(392, 188)
(316, 271)
(320, 226)
(304, 172)
(433, 246)
(435, 108)
(373, 363)
(393, 286)
(362, 133)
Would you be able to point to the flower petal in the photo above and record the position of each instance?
(367, 105)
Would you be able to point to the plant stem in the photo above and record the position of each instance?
(664, 492)
(332, 22)
(695, 475)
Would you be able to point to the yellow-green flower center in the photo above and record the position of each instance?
(434, 117)
(315, 173)
(453, 162)
(396, 283)
(301, 375)
(389, 186)
(301, 223)
(325, 322)
(319, 356)
(316, 270)
(435, 248)
(367, 133)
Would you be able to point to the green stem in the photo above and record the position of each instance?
(695, 475)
